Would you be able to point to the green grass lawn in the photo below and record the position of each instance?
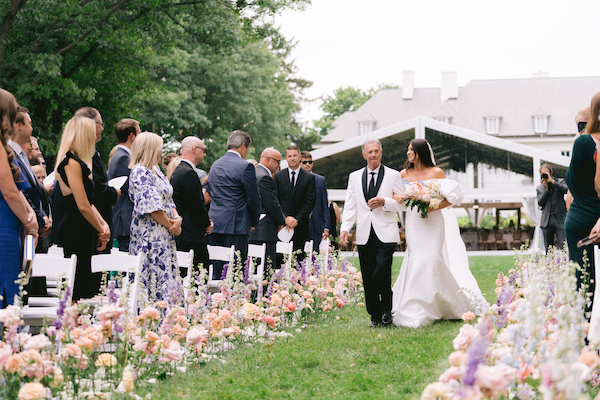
(336, 356)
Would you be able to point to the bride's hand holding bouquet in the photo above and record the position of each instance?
(424, 195)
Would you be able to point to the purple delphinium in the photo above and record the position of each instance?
(112, 296)
(344, 267)
(504, 296)
(476, 353)
(62, 305)
(303, 272)
(175, 293)
(224, 272)
(247, 271)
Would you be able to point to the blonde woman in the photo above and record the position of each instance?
(81, 221)
(155, 221)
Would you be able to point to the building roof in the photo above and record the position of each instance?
(515, 101)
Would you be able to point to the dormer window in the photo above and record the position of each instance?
(540, 123)
(366, 127)
(445, 120)
(492, 125)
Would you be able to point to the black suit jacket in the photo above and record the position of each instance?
(274, 216)
(104, 196)
(297, 201)
(123, 208)
(188, 197)
(552, 200)
(34, 194)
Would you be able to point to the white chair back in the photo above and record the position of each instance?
(54, 250)
(218, 253)
(594, 330)
(122, 262)
(285, 249)
(257, 251)
(185, 259)
(308, 250)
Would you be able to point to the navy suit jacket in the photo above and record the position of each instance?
(123, 209)
(319, 218)
(34, 194)
(189, 199)
(274, 216)
(235, 203)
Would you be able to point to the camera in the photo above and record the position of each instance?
(544, 176)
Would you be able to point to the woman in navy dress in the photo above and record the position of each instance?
(81, 221)
(155, 221)
(16, 214)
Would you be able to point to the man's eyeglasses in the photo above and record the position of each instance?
(274, 159)
(306, 161)
(100, 123)
(201, 148)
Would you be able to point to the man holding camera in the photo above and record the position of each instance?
(551, 197)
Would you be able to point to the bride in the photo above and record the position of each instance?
(435, 281)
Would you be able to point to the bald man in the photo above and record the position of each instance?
(272, 216)
(189, 199)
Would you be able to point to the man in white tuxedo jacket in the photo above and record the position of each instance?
(369, 202)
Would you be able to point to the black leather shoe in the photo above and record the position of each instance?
(386, 318)
(375, 323)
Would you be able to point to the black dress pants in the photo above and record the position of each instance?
(376, 266)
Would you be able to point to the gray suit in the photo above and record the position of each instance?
(554, 211)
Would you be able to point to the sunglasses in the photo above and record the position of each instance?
(581, 126)
(274, 159)
(307, 162)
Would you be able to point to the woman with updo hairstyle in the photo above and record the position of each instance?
(16, 215)
(81, 220)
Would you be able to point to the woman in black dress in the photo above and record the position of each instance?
(81, 220)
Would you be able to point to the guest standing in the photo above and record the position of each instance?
(155, 221)
(15, 212)
(318, 219)
(585, 208)
(81, 229)
(551, 197)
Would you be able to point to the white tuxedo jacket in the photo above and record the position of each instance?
(384, 220)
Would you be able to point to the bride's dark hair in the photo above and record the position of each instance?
(421, 148)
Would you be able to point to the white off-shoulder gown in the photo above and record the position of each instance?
(435, 268)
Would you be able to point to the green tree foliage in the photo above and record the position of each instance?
(181, 67)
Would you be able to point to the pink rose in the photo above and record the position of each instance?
(152, 313)
(110, 312)
(194, 335)
(452, 373)
(14, 363)
(151, 336)
(465, 337)
(468, 316)
(495, 378)
(37, 342)
(5, 352)
(72, 350)
(412, 191)
(456, 358)
(172, 352)
(290, 306)
(339, 302)
(32, 391)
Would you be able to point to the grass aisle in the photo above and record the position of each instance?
(335, 356)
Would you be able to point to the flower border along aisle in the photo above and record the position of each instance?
(91, 354)
(530, 344)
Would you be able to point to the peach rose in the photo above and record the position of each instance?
(465, 336)
(106, 360)
(85, 343)
(32, 391)
(495, 378)
(290, 306)
(468, 316)
(456, 358)
(161, 304)
(14, 363)
(72, 350)
(437, 390)
(151, 336)
(452, 373)
(5, 352)
(127, 381)
(110, 312)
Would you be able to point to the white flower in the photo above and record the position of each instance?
(434, 203)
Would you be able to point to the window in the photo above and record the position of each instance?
(566, 153)
(445, 120)
(365, 127)
(492, 125)
(540, 123)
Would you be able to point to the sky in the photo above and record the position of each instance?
(364, 43)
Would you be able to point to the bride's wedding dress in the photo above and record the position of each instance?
(435, 281)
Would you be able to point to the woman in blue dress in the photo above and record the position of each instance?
(155, 221)
(16, 214)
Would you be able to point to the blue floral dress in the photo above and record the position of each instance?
(150, 191)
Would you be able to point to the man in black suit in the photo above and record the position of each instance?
(104, 196)
(318, 220)
(22, 140)
(235, 203)
(126, 130)
(297, 193)
(272, 216)
(189, 199)
(551, 197)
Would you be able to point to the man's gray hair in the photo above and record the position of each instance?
(237, 139)
(369, 141)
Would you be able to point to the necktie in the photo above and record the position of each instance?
(293, 178)
(372, 186)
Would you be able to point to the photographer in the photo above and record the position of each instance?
(551, 197)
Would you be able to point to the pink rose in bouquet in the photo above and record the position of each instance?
(423, 195)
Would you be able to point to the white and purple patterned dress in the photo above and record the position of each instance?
(150, 191)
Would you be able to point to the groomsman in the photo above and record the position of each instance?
(369, 203)
(235, 203)
(126, 131)
(189, 199)
(296, 192)
(318, 220)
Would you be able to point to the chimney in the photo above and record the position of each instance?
(408, 85)
(449, 89)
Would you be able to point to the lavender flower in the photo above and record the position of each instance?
(112, 296)
(247, 271)
(62, 305)
(476, 353)
(224, 272)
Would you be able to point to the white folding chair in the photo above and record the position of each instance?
(54, 250)
(185, 259)
(257, 251)
(50, 267)
(308, 250)
(285, 249)
(594, 330)
(324, 250)
(218, 253)
(122, 262)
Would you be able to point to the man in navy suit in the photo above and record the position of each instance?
(296, 191)
(235, 203)
(318, 220)
(126, 130)
(189, 199)
(272, 216)
(22, 140)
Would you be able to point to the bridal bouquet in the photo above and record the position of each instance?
(423, 195)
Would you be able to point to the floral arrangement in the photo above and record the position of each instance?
(423, 195)
(93, 351)
(530, 344)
